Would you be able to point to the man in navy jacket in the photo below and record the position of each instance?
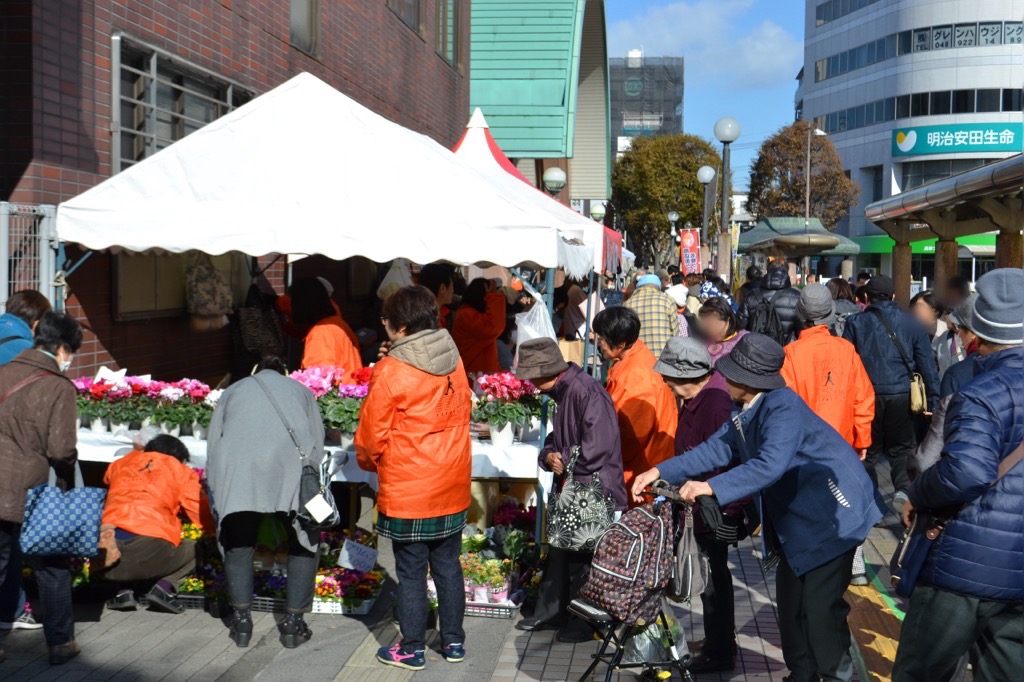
(970, 595)
(818, 503)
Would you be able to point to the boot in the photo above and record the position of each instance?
(294, 631)
(241, 627)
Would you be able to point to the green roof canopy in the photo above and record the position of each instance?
(883, 243)
(763, 237)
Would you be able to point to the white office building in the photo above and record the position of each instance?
(911, 91)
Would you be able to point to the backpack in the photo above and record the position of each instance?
(632, 564)
(765, 320)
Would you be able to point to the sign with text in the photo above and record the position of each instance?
(357, 557)
(689, 251)
(960, 137)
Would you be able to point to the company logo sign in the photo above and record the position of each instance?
(633, 87)
(962, 137)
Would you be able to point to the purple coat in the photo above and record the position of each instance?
(586, 417)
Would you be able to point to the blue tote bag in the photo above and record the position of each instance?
(59, 523)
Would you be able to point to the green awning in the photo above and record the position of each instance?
(762, 236)
(883, 243)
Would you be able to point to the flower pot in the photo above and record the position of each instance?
(469, 590)
(497, 595)
(503, 437)
(185, 430)
(98, 425)
(170, 429)
(148, 421)
(480, 594)
(119, 428)
(332, 436)
(347, 440)
(199, 431)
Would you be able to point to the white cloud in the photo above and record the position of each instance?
(717, 44)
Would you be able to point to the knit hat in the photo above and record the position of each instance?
(816, 305)
(679, 293)
(540, 358)
(998, 315)
(649, 279)
(754, 361)
(683, 358)
(961, 315)
(881, 285)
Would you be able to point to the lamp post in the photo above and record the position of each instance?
(597, 212)
(554, 180)
(727, 131)
(705, 174)
(811, 132)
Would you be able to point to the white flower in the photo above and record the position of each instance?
(213, 396)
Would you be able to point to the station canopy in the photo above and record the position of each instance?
(302, 170)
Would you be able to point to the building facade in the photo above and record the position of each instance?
(646, 97)
(911, 92)
(93, 86)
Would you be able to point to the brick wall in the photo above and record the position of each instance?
(55, 141)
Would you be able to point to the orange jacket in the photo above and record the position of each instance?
(647, 409)
(146, 492)
(828, 374)
(332, 343)
(414, 432)
(476, 334)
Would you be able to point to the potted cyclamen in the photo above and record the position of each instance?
(502, 405)
(340, 411)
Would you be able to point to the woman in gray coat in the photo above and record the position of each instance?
(253, 469)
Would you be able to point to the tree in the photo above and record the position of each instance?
(658, 175)
(778, 178)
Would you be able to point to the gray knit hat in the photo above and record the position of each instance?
(816, 305)
(961, 315)
(684, 358)
(998, 315)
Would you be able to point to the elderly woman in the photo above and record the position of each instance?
(414, 433)
(644, 404)
(719, 327)
(253, 469)
(38, 425)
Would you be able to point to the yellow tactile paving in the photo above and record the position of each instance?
(875, 628)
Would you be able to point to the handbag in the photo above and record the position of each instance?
(312, 484)
(62, 523)
(917, 541)
(918, 393)
(691, 571)
(580, 513)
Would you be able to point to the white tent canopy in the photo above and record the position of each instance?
(478, 149)
(304, 169)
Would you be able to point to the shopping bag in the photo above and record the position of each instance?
(655, 643)
(62, 523)
(399, 275)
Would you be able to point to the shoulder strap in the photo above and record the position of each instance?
(31, 378)
(892, 335)
(1011, 461)
(277, 408)
(9, 338)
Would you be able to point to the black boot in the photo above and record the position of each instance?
(294, 631)
(241, 627)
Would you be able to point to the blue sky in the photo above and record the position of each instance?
(742, 57)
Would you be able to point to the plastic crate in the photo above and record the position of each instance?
(268, 604)
(193, 601)
(339, 608)
(482, 610)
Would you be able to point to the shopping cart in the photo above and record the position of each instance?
(615, 634)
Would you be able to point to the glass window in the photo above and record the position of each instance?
(841, 124)
(844, 62)
(862, 56)
(919, 104)
(940, 103)
(869, 114)
(876, 182)
(819, 15)
(990, 33)
(890, 46)
(879, 111)
(833, 66)
(858, 117)
(942, 37)
(903, 106)
(449, 30)
(904, 42)
(844, 8)
(880, 50)
(1011, 100)
(965, 35)
(305, 25)
(1013, 33)
(988, 101)
(820, 70)
(963, 101)
(871, 50)
(833, 122)
(889, 109)
(829, 14)
(922, 40)
(409, 11)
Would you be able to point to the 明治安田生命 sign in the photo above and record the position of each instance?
(959, 137)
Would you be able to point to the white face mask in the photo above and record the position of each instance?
(65, 366)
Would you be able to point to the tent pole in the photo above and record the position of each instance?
(587, 328)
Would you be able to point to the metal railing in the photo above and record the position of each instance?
(28, 250)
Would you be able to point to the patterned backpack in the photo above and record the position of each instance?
(632, 564)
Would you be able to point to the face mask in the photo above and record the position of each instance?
(65, 366)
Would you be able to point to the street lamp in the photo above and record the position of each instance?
(705, 174)
(597, 212)
(811, 132)
(727, 131)
(672, 218)
(554, 180)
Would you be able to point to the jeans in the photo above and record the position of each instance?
(719, 611)
(53, 575)
(812, 620)
(892, 436)
(12, 594)
(942, 626)
(565, 573)
(145, 558)
(238, 534)
(411, 561)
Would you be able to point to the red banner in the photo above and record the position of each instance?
(689, 251)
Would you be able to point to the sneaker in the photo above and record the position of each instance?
(124, 601)
(163, 601)
(453, 653)
(394, 655)
(23, 622)
(898, 500)
(859, 580)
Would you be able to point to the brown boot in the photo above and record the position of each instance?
(59, 655)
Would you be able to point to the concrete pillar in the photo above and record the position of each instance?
(724, 264)
(901, 257)
(846, 269)
(1009, 250)
(946, 251)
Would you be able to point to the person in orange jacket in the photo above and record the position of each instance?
(828, 374)
(647, 410)
(328, 340)
(477, 324)
(147, 490)
(414, 433)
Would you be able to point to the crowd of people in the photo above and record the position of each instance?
(778, 404)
